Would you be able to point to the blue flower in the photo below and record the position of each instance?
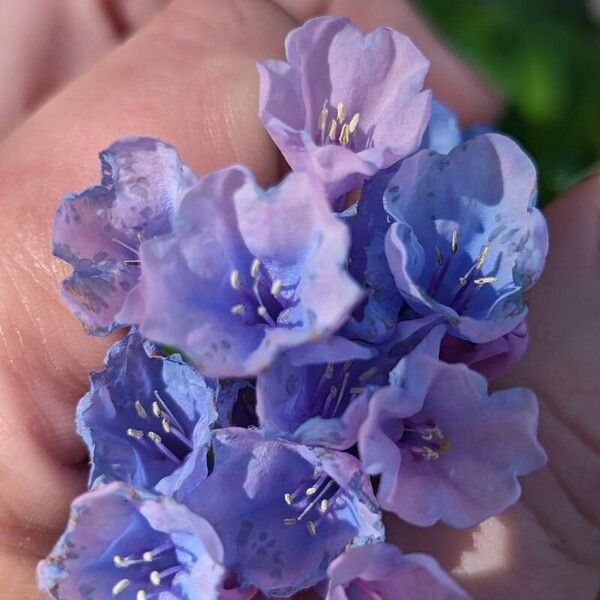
(130, 544)
(146, 417)
(247, 273)
(467, 239)
(283, 511)
(99, 231)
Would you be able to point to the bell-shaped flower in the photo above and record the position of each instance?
(129, 544)
(282, 510)
(146, 418)
(467, 240)
(99, 231)
(382, 572)
(345, 105)
(446, 449)
(247, 273)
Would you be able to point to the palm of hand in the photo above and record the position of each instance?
(544, 547)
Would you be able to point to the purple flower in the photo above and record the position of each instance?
(126, 543)
(146, 418)
(99, 231)
(345, 105)
(247, 273)
(283, 510)
(382, 572)
(323, 404)
(492, 359)
(467, 239)
(446, 449)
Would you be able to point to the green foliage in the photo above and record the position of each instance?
(544, 56)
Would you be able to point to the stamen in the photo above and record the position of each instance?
(484, 280)
(288, 499)
(329, 370)
(332, 130)
(344, 135)
(120, 586)
(323, 117)
(138, 434)
(354, 123)
(324, 505)
(124, 245)
(238, 309)
(276, 287)
(454, 243)
(166, 425)
(311, 491)
(262, 311)
(155, 578)
(132, 263)
(341, 113)
(476, 265)
(367, 374)
(141, 595)
(289, 522)
(438, 254)
(154, 437)
(255, 267)
(340, 395)
(234, 279)
(140, 410)
(156, 410)
(312, 528)
(316, 500)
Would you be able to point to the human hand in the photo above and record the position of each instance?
(189, 78)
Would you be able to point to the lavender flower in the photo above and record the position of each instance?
(146, 418)
(283, 510)
(99, 231)
(126, 543)
(345, 105)
(445, 449)
(382, 572)
(247, 273)
(468, 240)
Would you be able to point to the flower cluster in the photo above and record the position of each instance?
(298, 362)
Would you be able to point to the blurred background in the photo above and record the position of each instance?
(544, 55)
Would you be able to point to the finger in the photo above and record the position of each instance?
(189, 78)
(452, 81)
(46, 43)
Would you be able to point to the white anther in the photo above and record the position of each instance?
(344, 135)
(311, 491)
(140, 410)
(261, 311)
(234, 279)
(484, 280)
(147, 557)
(166, 425)
(354, 122)
(367, 374)
(156, 410)
(141, 595)
(255, 267)
(332, 130)
(138, 434)
(276, 287)
(341, 113)
(154, 437)
(155, 578)
(289, 521)
(288, 499)
(454, 242)
(329, 371)
(312, 528)
(324, 505)
(482, 254)
(120, 562)
(323, 117)
(238, 309)
(120, 586)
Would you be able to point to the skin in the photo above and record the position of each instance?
(188, 77)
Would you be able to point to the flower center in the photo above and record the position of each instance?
(261, 298)
(336, 129)
(175, 445)
(313, 501)
(151, 568)
(467, 285)
(424, 440)
(337, 387)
